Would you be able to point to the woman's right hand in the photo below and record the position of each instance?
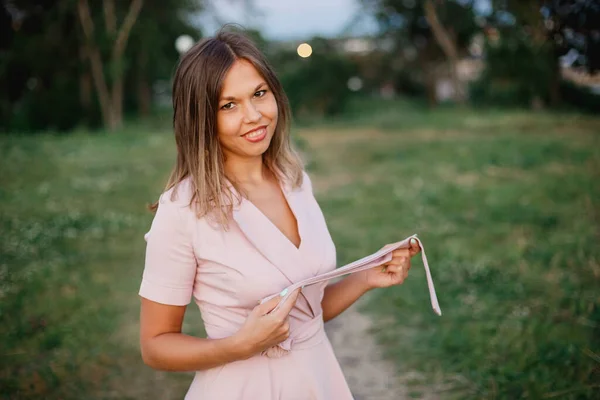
(263, 328)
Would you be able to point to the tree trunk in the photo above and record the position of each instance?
(111, 101)
(429, 81)
(446, 42)
(117, 102)
(555, 92)
(101, 87)
(117, 59)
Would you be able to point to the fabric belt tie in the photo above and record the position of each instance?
(309, 334)
(309, 330)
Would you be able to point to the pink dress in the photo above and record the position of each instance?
(228, 272)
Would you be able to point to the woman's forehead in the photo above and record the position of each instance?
(241, 78)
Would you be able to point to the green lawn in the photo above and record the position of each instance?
(507, 204)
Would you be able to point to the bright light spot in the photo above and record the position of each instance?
(183, 43)
(304, 50)
(355, 84)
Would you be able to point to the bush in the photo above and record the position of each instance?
(517, 72)
(580, 97)
(317, 85)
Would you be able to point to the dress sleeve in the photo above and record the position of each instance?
(170, 269)
(307, 183)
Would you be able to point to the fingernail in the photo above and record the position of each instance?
(413, 241)
(283, 292)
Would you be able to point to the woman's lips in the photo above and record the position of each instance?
(256, 135)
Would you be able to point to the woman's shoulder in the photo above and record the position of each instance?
(177, 197)
(173, 213)
(306, 182)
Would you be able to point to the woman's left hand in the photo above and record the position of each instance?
(393, 272)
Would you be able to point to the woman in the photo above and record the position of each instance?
(239, 222)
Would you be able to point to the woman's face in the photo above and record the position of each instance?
(247, 114)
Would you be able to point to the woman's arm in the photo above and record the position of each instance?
(164, 347)
(342, 294)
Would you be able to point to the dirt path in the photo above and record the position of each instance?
(370, 376)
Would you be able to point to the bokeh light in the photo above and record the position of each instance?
(183, 43)
(304, 50)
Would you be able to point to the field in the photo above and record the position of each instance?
(507, 204)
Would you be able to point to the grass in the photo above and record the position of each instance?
(507, 204)
(505, 201)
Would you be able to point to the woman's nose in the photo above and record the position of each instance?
(251, 113)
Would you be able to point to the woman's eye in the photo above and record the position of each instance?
(260, 93)
(227, 106)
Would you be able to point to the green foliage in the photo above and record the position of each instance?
(317, 85)
(40, 68)
(151, 51)
(416, 53)
(580, 97)
(516, 72)
(43, 68)
(406, 19)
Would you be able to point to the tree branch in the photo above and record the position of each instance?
(86, 20)
(123, 36)
(109, 17)
(442, 36)
(95, 58)
(446, 42)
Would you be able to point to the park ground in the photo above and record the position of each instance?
(507, 204)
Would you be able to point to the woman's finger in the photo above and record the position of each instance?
(400, 253)
(401, 275)
(401, 260)
(393, 268)
(414, 246)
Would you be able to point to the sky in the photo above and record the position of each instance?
(296, 19)
(288, 19)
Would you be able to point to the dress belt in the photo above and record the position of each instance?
(309, 334)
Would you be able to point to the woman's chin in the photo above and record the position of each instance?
(257, 149)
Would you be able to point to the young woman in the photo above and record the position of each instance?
(237, 223)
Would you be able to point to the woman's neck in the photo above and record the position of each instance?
(247, 171)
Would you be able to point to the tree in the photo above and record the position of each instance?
(151, 55)
(437, 30)
(46, 77)
(38, 65)
(575, 25)
(448, 45)
(110, 97)
(545, 30)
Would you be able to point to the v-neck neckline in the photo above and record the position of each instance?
(294, 263)
(286, 197)
(273, 225)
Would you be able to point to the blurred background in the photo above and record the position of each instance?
(474, 123)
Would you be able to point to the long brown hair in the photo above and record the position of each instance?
(196, 90)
